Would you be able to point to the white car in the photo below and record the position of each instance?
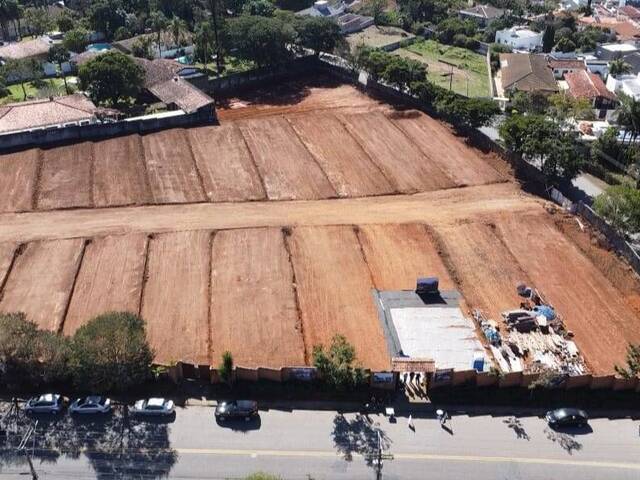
(47, 403)
(91, 404)
(153, 406)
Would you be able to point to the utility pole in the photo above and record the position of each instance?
(379, 457)
(22, 447)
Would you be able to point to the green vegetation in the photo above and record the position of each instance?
(262, 476)
(109, 353)
(470, 67)
(337, 365)
(225, 369)
(620, 206)
(35, 89)
(111, 78)
(633, 363)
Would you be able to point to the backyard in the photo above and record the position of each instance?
(42, 89)
(470, 75)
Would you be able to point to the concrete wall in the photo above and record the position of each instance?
(42, 138)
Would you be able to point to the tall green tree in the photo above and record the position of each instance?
(320, 34)
(204, 43)
(619, 67)
(158, 23)
(111, 78)
(111, 353)
(225, 369)
(401, 72)
(106, 16)
(548, 38)
(59, 55)
(337, 366)
(628, 112)
(265, 41)
(76, 39)
(262, 8)
(38, 20)
(178, 27)
(24, 70)
(632, 368)
(620, 206)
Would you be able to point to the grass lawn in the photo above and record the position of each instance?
(51, 85)
(468, 64)
(231, 64)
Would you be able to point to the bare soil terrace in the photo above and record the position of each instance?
(266, 235)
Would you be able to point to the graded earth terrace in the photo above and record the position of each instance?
(266, 235)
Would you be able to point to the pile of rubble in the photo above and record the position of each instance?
(535, 339)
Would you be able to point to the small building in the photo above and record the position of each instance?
(351, 23)
(586, 85)
(562, 66)
(611, 51)
(526, 73)
(520, 38)
(482, 15)
(626, 31)
(627, 84)
(54, 112)
(322, 8)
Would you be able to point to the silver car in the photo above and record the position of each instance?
(47, 403)
(153, 406)
(91, 404)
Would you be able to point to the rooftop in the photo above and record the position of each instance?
(323, 8)
(526, 72)
(483, 11)
(521, 32)
(47, 112)
(566, 63)
(619, 47)
(583, 84)
(25, 49)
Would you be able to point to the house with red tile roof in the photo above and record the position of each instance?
(586, 85)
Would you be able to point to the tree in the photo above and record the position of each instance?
(111, 78)
(320, 34)
(24, 70)
(263, 8)
(106, 16)
(141, 48)
(452, 26)
(38, 20)
(563, 107)
(529, 102)
(336, 366)
(548, 38)
(177, 27)
(628, 112)
(28, 356)
(401, 72)
(204, 43)
(619, 67)
(158, 23)
(65, 21)
(620, 206)
(111, 353)
(60, 55)
(376, 10)
(548, 378)
(632, 369)
(566, 45)
(225, 369)
(265, 41)
(75, 40)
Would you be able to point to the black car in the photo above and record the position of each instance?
(236, 409)
(567, 417)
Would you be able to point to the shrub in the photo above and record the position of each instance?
(620, 206)
(225, 369)
(336, 366)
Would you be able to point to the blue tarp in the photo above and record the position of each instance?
(545, 310)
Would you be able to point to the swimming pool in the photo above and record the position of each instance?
(98, 47)
(185, 60)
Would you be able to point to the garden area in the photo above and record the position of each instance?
(470, 76)
(50, 87)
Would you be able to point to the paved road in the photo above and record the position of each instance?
(330, 445)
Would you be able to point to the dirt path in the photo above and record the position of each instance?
(440, 207)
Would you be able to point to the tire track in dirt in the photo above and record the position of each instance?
(286, 234)
(73, 284)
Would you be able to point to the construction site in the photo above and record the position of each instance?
(312, 210)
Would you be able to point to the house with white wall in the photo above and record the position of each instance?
(520, 38)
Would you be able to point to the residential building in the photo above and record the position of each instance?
(163, 81)
(351, 22)
(482, 15)
(562, 66)
(626, 31)
(610, 51)
(572, 4)
(627, 84)
(520, 38)
(10, 32)
(37, 48)
(586, 85)
(55, 112)
(525, 72)
(322, 8)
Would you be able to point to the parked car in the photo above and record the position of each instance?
(47, 403)
(567, 417)
(91, 404)
(236, 409)
(153, 406)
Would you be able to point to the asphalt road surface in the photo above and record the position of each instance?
(305, 444)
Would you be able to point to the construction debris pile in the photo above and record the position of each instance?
(535, 339)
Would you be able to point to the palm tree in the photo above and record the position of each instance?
(158, 23)
(629, 115)
(177, 27)
(619, 67)
(204, 42)
(59, 55)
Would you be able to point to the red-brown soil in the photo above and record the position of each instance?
(65, 180)
(18, 175)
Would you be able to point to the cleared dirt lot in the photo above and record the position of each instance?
(41, 281)
(253, 304)
(398, 254)
(175, 300)
(6, 259)
(348, 167)
(399, 159)
(288, 170)
(225, 163)
(65, 179)
(110, 279)
(334, 291)
(459, 162)
(172, 172)
(18, 173)
(119, 172)
(590, 305)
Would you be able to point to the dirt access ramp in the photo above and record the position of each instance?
(254, 312)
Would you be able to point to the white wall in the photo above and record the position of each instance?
(517, 42)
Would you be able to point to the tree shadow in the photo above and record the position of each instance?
(115, 445)
(514, 424)
(566, 440)
(358, 436)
